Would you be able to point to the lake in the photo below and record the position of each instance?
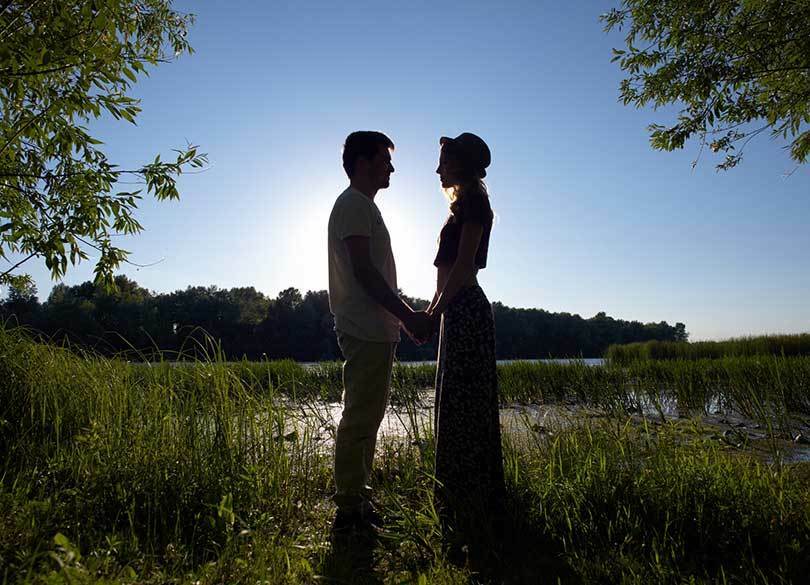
(586, 361)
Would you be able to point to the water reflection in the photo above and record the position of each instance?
(530, 422)
(566, 361)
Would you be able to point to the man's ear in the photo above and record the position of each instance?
(361, 165)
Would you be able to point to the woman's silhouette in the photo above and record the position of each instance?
(469, 464)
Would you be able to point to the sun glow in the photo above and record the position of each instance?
(413, 241)
(296, 240)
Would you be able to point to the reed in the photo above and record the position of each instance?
(777, 345)
(204, 473)
(661, 504)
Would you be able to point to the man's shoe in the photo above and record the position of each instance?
(347, 520)
(371, 516)
(350, 526)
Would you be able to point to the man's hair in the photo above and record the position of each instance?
(365, 143)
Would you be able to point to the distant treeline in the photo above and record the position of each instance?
(787, 345)
(249, 324)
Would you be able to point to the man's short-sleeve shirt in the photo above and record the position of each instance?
(356, 313)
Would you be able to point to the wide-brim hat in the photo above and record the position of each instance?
(473, 148)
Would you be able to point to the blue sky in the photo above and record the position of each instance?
(590, 218)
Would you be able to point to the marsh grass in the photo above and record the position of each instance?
(763, 345)
(117, 472)
(661, 503)
(766, 388)
(771, 390)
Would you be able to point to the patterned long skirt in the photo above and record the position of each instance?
(469, 461)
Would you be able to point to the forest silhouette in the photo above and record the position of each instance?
(296, 325)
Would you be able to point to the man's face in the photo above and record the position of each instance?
(381, 168)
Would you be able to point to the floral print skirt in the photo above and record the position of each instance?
(469, 460)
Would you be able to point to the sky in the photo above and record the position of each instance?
(589, 217)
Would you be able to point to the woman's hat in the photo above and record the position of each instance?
(472, 147)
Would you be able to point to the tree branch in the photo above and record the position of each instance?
(5, 6)
(25, 126)
(13, 20)
(46, 71)
(98, 248)
(24, 260)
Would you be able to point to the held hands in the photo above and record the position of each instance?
(420, 326)
(435, 323)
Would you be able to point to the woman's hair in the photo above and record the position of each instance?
(471, 184)
(461, 196)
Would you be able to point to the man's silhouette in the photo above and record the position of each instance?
(368, 313)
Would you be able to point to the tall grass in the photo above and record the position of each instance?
(756, 386)
(768, 389)
(778, 345)
(159, 456)
(642, 504)
(114, 472)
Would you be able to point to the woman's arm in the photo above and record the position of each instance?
(463, 268)
(433, 302)
(441, 277)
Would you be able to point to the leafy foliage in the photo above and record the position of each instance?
(63, 64)
(737, 68)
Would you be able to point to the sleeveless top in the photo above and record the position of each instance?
(474, 210)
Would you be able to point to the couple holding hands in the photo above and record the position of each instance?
(368, 315)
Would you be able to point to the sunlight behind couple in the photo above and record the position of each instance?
(301, 234)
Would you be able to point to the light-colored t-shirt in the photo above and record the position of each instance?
(356, 313)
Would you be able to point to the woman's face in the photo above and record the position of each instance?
(449, 169)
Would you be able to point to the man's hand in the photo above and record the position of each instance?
(419, 326)
(435, 323)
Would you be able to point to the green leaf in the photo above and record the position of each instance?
(718, 63)
(61, 540)
(109, 43)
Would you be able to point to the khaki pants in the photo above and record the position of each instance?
(366, 386)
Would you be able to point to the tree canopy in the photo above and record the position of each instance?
(737, 68)
(63, 64)
(245, 322)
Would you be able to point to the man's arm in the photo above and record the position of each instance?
(374, 284)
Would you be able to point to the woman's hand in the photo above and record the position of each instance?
(435, 322)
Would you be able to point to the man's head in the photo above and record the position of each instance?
(367, 158)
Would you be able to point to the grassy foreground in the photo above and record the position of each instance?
(114, 472)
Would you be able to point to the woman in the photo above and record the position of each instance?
(469, 464)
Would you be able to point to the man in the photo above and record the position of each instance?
(368, 313)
